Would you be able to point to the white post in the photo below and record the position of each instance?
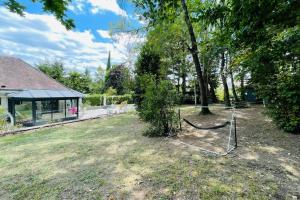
(195, 94)
(104, 100)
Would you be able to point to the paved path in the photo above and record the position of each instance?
(108, 110)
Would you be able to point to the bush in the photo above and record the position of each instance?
(157, 107)
(111, 91)
(97, 99)
(92, 99)
(283, 100)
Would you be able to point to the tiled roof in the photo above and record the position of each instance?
(15, 74)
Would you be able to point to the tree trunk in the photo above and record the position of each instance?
(178, 83)
(205, 77)
(236, 98)
(183, 84)
(224, 81)
(212, 92)
(243, 98)
(194, 52)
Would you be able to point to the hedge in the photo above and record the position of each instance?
(97, 99)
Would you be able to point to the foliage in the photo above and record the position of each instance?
(267, 34)
(168, 11)
(78, 81)
(108, 67)
(58, 8)
(81, 82)
(283, 100)
(157, 107)
(119, 78)
(98, 81)
(148, 63)
(110, 91)
(55, 70)
(97, 99)
(92, 100)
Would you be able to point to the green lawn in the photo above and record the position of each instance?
(110, 159)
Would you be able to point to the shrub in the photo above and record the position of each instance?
(283, 100)
(97, 99)
(157, 107)
(111, 91)
(92, 99)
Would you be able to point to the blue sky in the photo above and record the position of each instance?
(39, 36)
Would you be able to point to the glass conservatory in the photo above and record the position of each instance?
(37, 107)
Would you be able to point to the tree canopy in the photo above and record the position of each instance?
(244, 41)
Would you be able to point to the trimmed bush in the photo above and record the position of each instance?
(97, 99)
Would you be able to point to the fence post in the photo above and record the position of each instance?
(235, 137)
(179, 116)
(104, 100)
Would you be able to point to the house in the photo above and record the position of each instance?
(32, 97)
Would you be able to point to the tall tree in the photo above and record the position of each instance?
(148, 63)
(168, 10)
(194, 51)
(119, 79)
(108, 67)
(235, 96)
(224, 80)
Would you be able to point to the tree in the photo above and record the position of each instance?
(170, 39)
(148, 63)
(194, 51)
(159, 11)
(108, 66)
(78, 81)
(58, 8)
(267, 40)
(224, 80)
(119, 79)
(55, 70)
(97, 84)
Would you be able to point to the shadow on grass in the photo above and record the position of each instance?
(109, 158)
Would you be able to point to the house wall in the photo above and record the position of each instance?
(4, 100)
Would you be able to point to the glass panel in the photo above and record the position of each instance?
(43, 112)
(24, 113)
(48, 111)
(72, 109)
(58, 110)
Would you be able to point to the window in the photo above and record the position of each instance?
(50, 106)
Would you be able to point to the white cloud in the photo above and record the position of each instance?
(127, 43)
(35, 38)
(104, 34)
(77, 7)
(139, 18)
(99, 6)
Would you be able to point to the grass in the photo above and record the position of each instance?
(110, 159)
